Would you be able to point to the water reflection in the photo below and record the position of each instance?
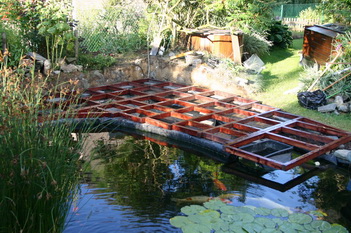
(135, 185)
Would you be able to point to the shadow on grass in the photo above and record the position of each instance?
(276, 55)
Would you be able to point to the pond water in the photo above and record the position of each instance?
(136, 185)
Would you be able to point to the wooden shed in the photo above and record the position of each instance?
(319, 41)
(221, 43)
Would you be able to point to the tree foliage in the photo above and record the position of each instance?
(336, 11)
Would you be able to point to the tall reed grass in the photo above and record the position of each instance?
(39, 160)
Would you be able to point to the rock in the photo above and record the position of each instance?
(56, 72)
(62, 62)
(330, 158)
(343, 107)
(241, 81)
(339, 100)
(85, 83)
(98, 74)
(36, 56)
(71, 59)
(344, 156)
(47, 66)
(327, 108)
(69, 68)
(80, 68)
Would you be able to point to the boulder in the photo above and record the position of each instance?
(339, 100)
(327, 108)
(343, 155)
(343, 107)
(69, 68)
(97, 74)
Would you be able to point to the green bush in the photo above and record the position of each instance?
(96, 62)
(340, 69)
(255, 43)
(116, 29)
(280, 35)
(310, 13)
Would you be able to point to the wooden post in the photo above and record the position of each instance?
(236, 48)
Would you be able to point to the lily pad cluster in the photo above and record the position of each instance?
(216, 216)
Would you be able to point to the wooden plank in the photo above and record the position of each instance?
(292, 142)
(314, 154)
(236, 49)
(306, 135)
(254, 157)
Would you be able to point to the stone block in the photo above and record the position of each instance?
(327, 108)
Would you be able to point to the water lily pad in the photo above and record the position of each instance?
(300, 218)
(246, 217)
(230, 217)
(318, 213)
(219, 225)
(192, 209)
(252, 227)
(214, 204)
(179, 221)
(262, 211)
(309, 227)
(265, 222)
(286, 228)
(278, 221)
(280, 212)
(195, 228)
(237, 229)
(270, 230)
(320, 225)
(195, 218)
(210, 213)
(244, 209)
(296, 226)
(228, 209)
(336, 228)
(225, 226)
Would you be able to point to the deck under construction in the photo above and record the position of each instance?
(235, 122)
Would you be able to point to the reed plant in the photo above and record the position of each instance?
(39, 160)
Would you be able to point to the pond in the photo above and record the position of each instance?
(136, 185)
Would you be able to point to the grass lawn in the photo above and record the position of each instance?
(281, 77)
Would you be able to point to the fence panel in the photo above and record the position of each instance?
(291, 10)
(298, 25)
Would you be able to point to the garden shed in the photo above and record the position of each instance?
(319, 40)
(221, 43)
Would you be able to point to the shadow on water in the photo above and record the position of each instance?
(137, 185)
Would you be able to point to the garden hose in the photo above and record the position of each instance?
(338, 91)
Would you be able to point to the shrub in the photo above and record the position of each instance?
(96, 62)
(280, 35)
(340, 68)
(255, 43)
(310, 13)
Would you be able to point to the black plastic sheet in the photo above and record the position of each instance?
(312, 100)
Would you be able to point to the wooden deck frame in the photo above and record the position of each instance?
(301, 133)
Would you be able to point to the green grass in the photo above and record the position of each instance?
(281, 77)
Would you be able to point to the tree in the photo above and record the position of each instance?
(336, 11)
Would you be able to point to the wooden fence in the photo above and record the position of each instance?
(297, 24)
